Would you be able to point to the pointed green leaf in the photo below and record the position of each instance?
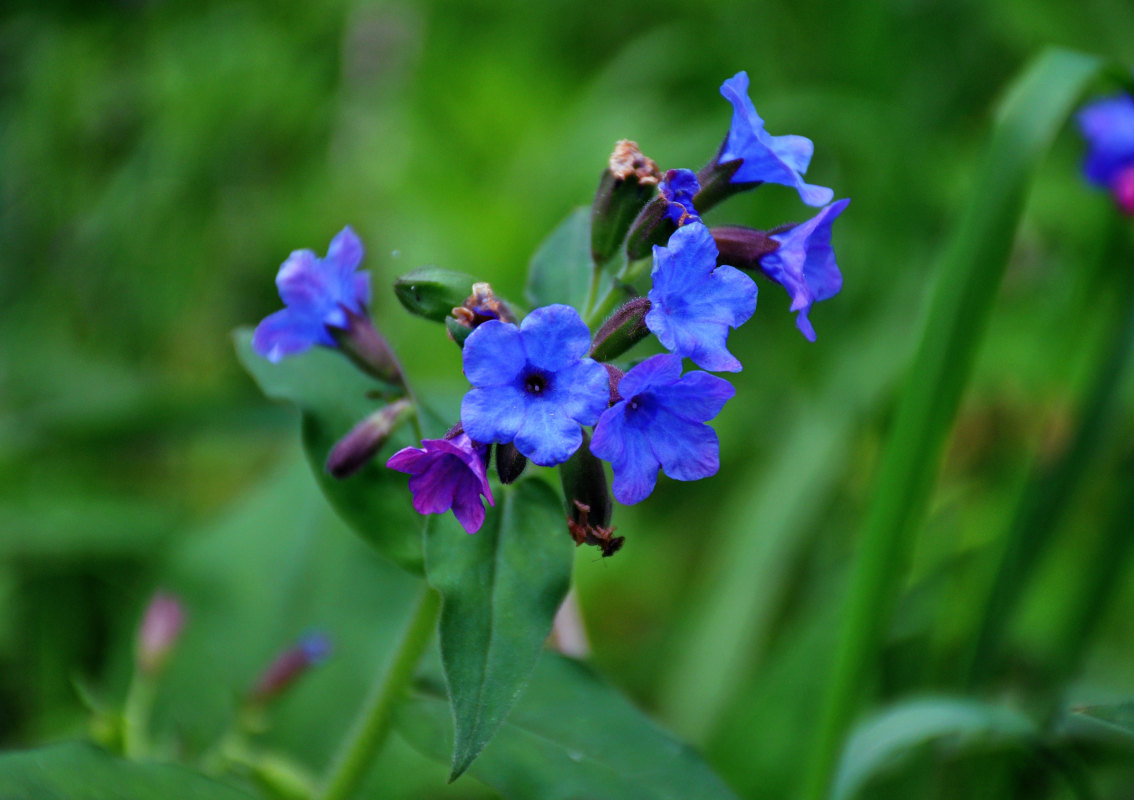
(561, 268)
(1108, 725)
(882, 739)
(77, 771)
(571, 736)
(501, 588)
(332, 396)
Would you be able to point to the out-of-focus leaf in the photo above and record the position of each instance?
(500, 589)
(570, 736)
(82, 772)
(561, 268)
(332, 396)
(880, 741)
(1110, 725)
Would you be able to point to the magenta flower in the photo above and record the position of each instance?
(447, 474)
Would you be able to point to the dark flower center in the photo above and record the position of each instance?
(635, 402)
(535, 383)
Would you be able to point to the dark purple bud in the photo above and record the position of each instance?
(717, 184)
(160, 629)
(588, 500)
(365, 439)
(367, 348)
(615, 375)
(652, 226)
(1122, 189)
(742, 247)
(627, 184)
(289, 666)
(624, 329)
(510, 463)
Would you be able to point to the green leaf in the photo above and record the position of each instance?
(881, 740)
(561, 268)
(81, 771)
(500, 589)
(332, 397)
(570, 736)
(1110, 725)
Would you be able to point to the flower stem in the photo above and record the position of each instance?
(357, 752)
(136, 715)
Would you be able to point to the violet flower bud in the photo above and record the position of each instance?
(510, 463)
(158, 634)
(742, 247)
(365, 439)
(289, 666)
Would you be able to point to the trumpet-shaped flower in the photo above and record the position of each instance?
(693, 302)
(317, 293)
(804, 264)
(533, 385)
(766, 158)
(447, 474)
(660, 423)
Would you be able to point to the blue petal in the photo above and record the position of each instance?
(697, 397)
(582, 391)
(345, 252)
(628, 451)
(493, 355)
(653, 373)
(688, 257)
(492, 414)
(805, 264)
(688, 451)
(547, 436)
(1108, 127)
(287, 333)
(305, 286)
(554, 337)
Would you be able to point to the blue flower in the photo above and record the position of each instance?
(678, 188)
(533, 384)
(1108, 127)
(317, 293)
(693, 302)
(804, 264)
(767, 158)
(447, 474)
(660, 423)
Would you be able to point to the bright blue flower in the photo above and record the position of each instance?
(1108, 127)
(533, 384)
(660, 423)
(678, 188)
(693, 302)
(317, 293)
(767, 158)
(804, 264)
(447, 473)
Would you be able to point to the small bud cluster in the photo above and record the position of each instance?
(545, 389)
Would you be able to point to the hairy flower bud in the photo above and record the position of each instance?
(432, 292)
(365, 439)
(742, 247)
(652, 226)
(510, 463)
(160, 629)
(364, 345)
(627, 184)
(624, 329)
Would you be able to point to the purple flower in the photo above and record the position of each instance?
(447, 473)
(767, 158)
(660, 423)
(678, 188)
(317, 293)
(804, 264)
(289, 666)
(693, 302)
(533, 384)
(1108, 127)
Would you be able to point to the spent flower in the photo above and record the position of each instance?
(447, 474)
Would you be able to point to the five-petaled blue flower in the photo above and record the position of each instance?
(317, 293)
(1108, 127)
(447, 473)
(767, 158)
(678, 188)
(533, 384)
(660, 423)
(693, 302)
(804, 264)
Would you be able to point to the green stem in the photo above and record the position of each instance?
(136, 715)
(356, 755)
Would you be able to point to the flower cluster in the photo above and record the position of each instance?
(1108, 127)
(544, 388)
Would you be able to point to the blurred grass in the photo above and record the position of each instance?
(159, 160)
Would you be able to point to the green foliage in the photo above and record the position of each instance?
(561, 268)
(500, 589)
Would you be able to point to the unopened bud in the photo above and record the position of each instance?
(158, 634)
(589, 504)
(717, 184)
(1122, 190)
(367, 348)
(289, 666)
(365, 439)
(624, 329)
(432, 292)
(627, 184)
(742, 247)
(510, 463)
(651, 227)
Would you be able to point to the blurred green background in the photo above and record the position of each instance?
(158, 160)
